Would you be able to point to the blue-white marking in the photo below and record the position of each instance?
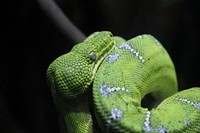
(147, 125)
(116, 114)
(195, 104)
(187, 122)
(140, 36)
(112, 57)
(127, 46)
(106, 91)
(97, 32)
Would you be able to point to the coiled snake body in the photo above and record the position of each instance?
(119, 74)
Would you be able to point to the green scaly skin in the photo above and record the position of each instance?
(69, 77)
(121, 73)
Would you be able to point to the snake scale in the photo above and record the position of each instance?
(99, 86)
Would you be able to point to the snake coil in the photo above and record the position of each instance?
(114, 75)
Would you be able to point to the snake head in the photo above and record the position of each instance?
(72, 73)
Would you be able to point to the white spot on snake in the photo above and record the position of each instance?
(127, 46)
(147, 125)
(142, 61)
(117, 89)
(116, 114)
(198, 105)
(106, 91)
(161, 129)
(112, 57)
(97, 32)
(195, 104)
(136, 54)
(140, 36)
(187, 122)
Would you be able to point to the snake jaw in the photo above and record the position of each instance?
(72, 73)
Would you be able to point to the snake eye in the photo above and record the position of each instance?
(92, 56)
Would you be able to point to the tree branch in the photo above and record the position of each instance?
(61, 20)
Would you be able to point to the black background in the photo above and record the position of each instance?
(30, 41)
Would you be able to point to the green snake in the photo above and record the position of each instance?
(99, 86)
